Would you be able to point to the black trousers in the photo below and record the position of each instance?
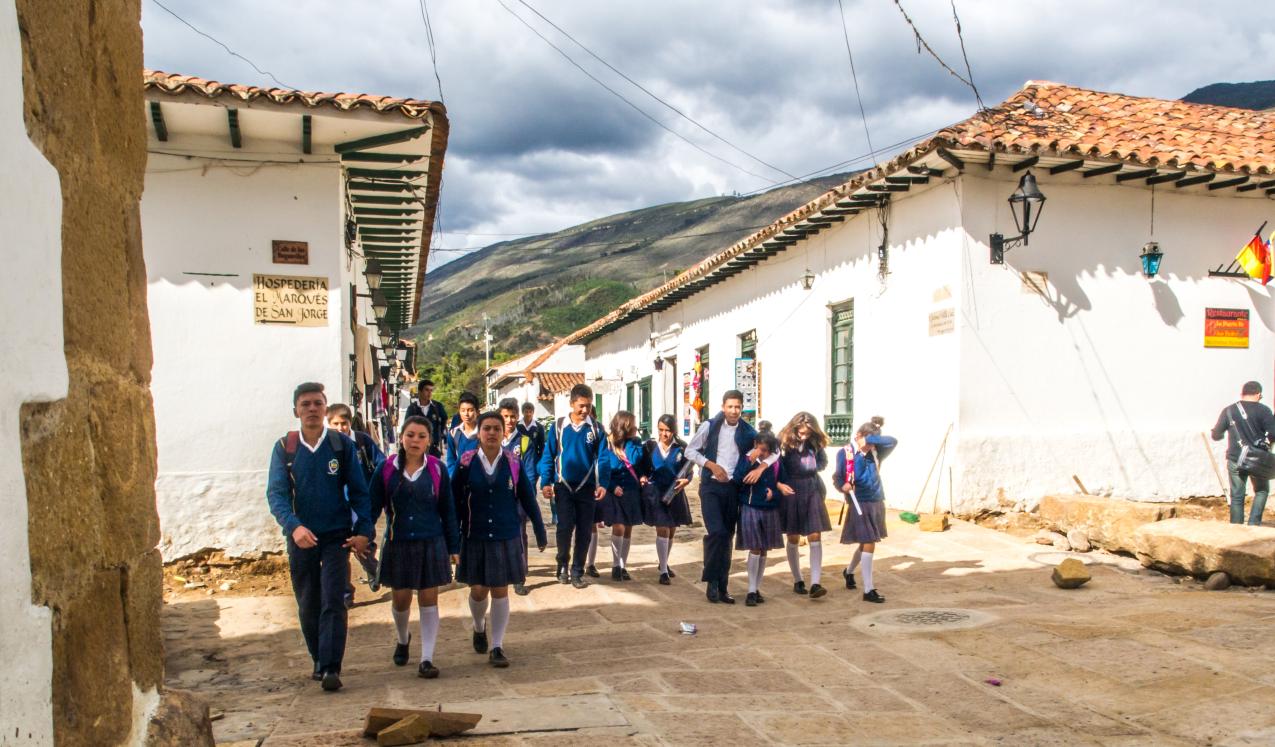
(575, 514)
(319, 575)
(719, 505)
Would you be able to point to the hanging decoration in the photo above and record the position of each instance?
(1253, 261)
(697, 385)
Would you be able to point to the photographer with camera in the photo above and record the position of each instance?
(1250, 429)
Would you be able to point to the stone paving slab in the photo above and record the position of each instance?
(1133, 658)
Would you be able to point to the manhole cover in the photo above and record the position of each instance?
(922, 620)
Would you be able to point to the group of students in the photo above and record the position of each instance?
(468, 506)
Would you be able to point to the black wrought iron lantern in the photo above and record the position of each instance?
(1026, 204)
(373, 272)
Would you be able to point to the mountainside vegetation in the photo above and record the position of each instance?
(1259, 94)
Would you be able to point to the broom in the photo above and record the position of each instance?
(912, 517)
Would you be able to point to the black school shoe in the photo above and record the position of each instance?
(849, 577)
(671, 574)
(331, 681)
(760, 598)
(624, 575)
(579, 582)
(497, 658)
(664, 579)
(563, 578)
(400, 653)
(317, 674)
(480, 642)
(617, 573)
(592, 571)
(427, 670)
(713, 595)
(725, 597)
(800, 588)
(817, 590)
(521, 590)
(873, 596)
(751, 599)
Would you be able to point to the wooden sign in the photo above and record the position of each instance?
(290, 252)
(942, 322)
(1035, 281)
(1226, 328)
(290, 300)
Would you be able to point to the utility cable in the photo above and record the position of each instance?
(433, 52)
(219, 43)
(845, 32)
(969, 73)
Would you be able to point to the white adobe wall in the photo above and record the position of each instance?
(222, 384)
(34, 370)
(901, 372)
(1107, 377)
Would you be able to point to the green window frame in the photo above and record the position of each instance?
(838, 422)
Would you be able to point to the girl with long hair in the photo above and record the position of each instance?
(803, 513)
(622, 474)
(664, 504)
(858, 475)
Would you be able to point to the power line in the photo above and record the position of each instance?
(643, 89)
(845, 32)
(969, 73)
(841, 164)
(736, 229)
(433, 52)
(922, 44)
(218, 42)
(621, 97)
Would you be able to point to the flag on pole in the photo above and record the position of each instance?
(1255, 258)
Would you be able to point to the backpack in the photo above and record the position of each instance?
(558, 467)
(431, 462)
(515, 466)
(292, 441)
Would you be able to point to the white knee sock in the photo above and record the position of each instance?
(617, 551)
(661, 552)
(754, 572)
(479, 611)
(867, 573)
(593, 549)
(794, 560)
(854, 561)
(429, 631)
(401, 619)
(624, 549)
(499, 621)
(816, 562)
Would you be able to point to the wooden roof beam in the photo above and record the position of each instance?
(925, 171)
(157, 119)
(232, 120)
(1026, 163)
(1069, 166)
(1229, 183)
(1126, 176)
(307, 128)
(951, 158)
(1190, 180)
(1108, 169)
(1172, 176)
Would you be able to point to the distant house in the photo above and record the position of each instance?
(1006, 381)
(262, 211)
(543, 377)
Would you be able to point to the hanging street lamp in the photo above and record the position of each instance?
(372, 271)
(1151, 256)
(1026, 204)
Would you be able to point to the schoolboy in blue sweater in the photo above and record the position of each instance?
(319, 496)
(463, 435)
(569, 477)
(341, 419)
(519, 442)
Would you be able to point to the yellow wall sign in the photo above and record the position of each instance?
(1226, 328)
(290, 300)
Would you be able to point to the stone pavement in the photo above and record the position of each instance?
(1132, 658)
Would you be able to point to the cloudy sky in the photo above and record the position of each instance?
(536, 145)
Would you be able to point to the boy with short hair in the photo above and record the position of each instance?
(463, 436)
(434, 413)
(319, 496)
(569, 478)
(517, 442)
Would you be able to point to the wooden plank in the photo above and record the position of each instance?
(991, 160)
(1190, 180)
(1110, 169)
(307, 128)
(1228, 183)
(363, 186)
(1026, 163)
(1126, 176)
(1172, 176)
(157, 119)
(907, 180)
(382, 157)
(383, 173)
(1069, 166)
(441, 723)
(886, 187)
(410, 730)
(232, 119)
(925, 171)
(951, 158)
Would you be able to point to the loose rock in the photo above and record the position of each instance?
(1044, 537)
(1079, 540)
(1071, 574)
(195, 585)
(227, 585)
(1060, 541)
(1218, 581)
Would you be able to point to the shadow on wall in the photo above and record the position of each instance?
(1166, 303)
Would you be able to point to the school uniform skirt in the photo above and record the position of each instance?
(868, 526)
(759, 529)
(491, 562)
(623, 509)
(804, 511)
(655, 514)
(416, 564)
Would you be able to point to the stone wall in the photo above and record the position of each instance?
(89, 459)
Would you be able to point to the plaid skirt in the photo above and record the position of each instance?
(804, 511)
(868, 526)
(491, 562)
(759, 529)
(624, 509)
(655, 514)
(416, 564)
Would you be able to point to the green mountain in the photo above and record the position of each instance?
(1258, 95)
(537, 289)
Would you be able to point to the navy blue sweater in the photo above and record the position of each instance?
(413, 509)
(488, 506)
(755, 495)
(663, 470)
(615, 474)
(458, 443)
(867, 478)
(328, 488)
(571, 456)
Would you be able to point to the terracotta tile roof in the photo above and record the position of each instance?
(175, 85)
(1041, 119)
(558, 383)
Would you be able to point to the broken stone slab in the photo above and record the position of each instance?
(440, 723)
(1109, 523)
(181, 718)
(411, 730)
(1217, 581)
(1199, 548)
(1079, 540)
(933, 523)
(1071, 574)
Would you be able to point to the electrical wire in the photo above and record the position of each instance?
(736, 229)
(922, 44)
(845, 32)
(433, 52)
(841, 164)
(643, 89)
(219, 43)
(632, 105)
(969, 73)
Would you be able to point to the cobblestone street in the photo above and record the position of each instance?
(1134, 657)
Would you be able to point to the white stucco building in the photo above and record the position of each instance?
(543, 377)
(261, 211)
(1064, 362)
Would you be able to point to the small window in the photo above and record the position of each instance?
(841, 405)
(748, 345)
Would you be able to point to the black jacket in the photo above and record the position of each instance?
(1260, 426)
